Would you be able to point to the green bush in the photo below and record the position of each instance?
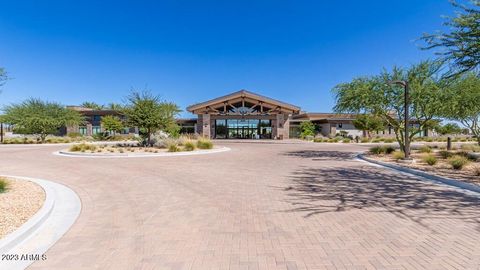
(458, 162)
(430, 159)
(389, 140)
(397, 155)
(346, 140)
(204, 143)
(425, 149)
(389, 149)
(189, 146)
(445, 154)
(3, 185)
(318, 140)
(377, 150)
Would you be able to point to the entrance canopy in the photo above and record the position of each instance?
(243, 102)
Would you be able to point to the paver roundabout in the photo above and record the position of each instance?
(262, 205)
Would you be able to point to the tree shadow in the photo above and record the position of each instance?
(322, 155)
(323, 190)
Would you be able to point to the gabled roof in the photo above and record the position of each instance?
(243, 94)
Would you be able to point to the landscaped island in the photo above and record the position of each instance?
(461, 163)
(19, 201)
(181, 144)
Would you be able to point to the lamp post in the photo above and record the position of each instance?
(407, 117)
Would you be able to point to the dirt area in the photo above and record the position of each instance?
(442, 168)
(18, 203)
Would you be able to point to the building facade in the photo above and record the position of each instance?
(242, 115)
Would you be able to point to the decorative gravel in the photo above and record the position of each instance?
(18, 203)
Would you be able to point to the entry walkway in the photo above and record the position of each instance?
(259, 206)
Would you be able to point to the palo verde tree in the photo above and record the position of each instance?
(112, 123)
(462, 103)
(368, 123)
(378, 97)
(460, 46)
(149, 113)
(307, 129)
(449, 128)
(40, 118)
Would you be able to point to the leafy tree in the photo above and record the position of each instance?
(462, 103)
(449, 128)
(92, 105)
(307, 128)
(368, 123)
(377, 96)
(40, 118)
(112, 123)
(150, 114)
(461, 45)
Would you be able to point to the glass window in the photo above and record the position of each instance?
(220, 129)
(97, 118)
(82, 130)
(96, 130)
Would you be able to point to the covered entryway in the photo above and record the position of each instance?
(243, 115)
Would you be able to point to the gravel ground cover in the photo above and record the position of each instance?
(20, 201)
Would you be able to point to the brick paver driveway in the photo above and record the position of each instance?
(259, 206)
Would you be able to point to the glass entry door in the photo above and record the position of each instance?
(243, 129)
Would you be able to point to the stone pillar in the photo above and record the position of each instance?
(286, 127)
(89, 129)
(280, 126)
(333, 129)
(199, 124)
(206, 126)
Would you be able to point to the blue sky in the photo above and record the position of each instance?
(191, 51)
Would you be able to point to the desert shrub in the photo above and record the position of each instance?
(470, 147)
(204, 143)
(377, 150)
(377, 140)
(3, 185)
(425, 149)
(189, 145)
(74, 135)
(364, 140)
(346, 140)
(318, 140)
(389, 140)
(82, 147)
(389, 149)
(458, 162)
(476, 170)
(397, 155)
(173, 148)
(430, 159)
(445, 154)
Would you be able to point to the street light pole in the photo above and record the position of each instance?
(406, 115)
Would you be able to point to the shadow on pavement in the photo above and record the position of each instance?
(322, 155)
(320, 190)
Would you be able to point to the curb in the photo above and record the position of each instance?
(60, 210)
(444, 180)
(165, 154)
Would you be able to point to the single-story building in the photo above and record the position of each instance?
(242, 115)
